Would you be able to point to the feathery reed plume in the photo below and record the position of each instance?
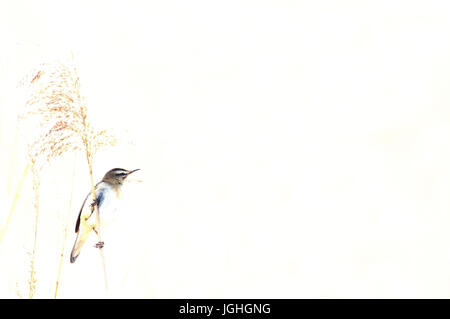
(57, 110)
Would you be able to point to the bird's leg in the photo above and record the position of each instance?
(100, 244)
(93, 204)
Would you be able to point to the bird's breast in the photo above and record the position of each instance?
(109, 206)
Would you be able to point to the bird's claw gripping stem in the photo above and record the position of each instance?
(100, 244)
(93, 204)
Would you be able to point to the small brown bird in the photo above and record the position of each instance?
(108, 192)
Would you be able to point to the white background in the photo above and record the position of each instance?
(295, 149)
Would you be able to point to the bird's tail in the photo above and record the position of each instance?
(79, 242)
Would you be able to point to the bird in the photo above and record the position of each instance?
(108, 193)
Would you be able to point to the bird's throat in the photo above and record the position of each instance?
(117, 191)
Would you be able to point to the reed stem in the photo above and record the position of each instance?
(36, 186)
(15, 200)
(94, 198)
(66, 225)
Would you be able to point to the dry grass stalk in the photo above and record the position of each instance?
(36, 187)
(58, 111)
(14, 201)
(13, 160)
(66, 224)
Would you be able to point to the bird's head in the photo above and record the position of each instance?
(116, 176)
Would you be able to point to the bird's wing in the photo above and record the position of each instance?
(77, 225)
(99, 199)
